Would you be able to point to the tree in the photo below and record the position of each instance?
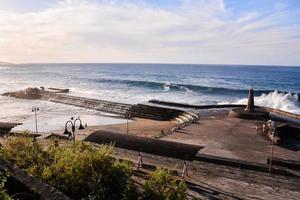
(162, 186)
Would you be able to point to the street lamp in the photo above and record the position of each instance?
(272, 151)
(73, 123)
(127, 115)
(35, 109)
(272, 128)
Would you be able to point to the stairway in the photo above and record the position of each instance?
(160, 113)
(94, 104)
(138, 110)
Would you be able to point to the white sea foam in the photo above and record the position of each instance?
(166, 86)
(49, 122)
(51, 116)
(186, 89)
(282, 101)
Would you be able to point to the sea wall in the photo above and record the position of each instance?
(279, 113)
(22, 183)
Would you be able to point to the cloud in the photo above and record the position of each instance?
(202, 31)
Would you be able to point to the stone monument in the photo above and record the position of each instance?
(250, 104)
(249, 112)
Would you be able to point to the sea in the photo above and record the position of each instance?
(274, 86)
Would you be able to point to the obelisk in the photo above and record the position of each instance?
(250, 104)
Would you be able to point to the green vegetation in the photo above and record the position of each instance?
(84, 172)
(3, 179)
(161, 185)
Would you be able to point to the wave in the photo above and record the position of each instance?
(283, 101)
(167, 87)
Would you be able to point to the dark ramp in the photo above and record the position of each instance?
(147, 145)
(5, 127)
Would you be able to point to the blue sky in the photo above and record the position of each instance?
(237, 6)
(155, 31)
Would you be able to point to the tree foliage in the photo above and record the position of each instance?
(80, 171)
(85, 172)
(162, 186)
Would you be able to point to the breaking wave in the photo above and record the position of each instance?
(167, 86)
(283, 101)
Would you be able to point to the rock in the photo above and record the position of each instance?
(28, 93)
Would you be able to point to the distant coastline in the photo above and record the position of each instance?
(150, 63)
(5, 63)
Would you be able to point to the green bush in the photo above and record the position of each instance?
(26, 154)
(87, 172)
(3, 179)
(80, 171)
(162, 186)
(84, 172)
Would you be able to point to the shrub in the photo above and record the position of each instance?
(114, 183)
(84, 172)
(3, 179)
(80, 171)
(162, 186)
(26, 154)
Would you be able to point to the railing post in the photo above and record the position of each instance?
(184, 170)
(139, 162)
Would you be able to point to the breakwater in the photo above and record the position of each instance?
(122, 109)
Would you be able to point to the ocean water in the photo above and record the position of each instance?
(274, 86)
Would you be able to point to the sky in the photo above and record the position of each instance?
(264, 32)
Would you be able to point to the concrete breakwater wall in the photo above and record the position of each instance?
(122, 109)
(163, 110)
(93, 104)
(283, 114)
(279, 113)
(183, 105)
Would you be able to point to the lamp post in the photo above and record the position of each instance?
(127, 115)
(272, 126)
(272, 152)
(35, 109)
(73, 124)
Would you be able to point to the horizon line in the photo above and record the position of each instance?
(154, 63)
